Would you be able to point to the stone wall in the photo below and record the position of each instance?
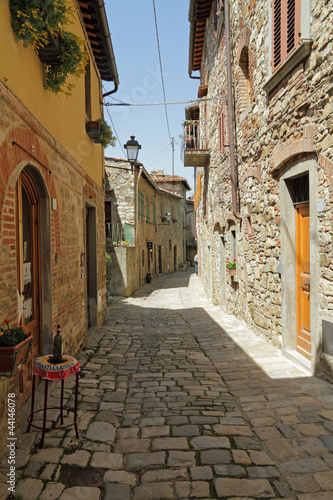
(285, 126)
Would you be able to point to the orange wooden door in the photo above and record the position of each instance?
(303, 335)
(28, 274)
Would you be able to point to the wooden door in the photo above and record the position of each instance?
(28, 274)
(303, 334)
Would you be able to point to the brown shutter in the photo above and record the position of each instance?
(291, 28)
(277, 33)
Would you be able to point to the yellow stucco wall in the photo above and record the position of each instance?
(64, 117)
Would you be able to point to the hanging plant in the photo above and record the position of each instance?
(33, 20)
(72, 61)
(36, 23)
(106, 137)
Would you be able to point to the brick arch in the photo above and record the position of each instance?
(13, 159)
(293, 147)
(250, 172)
(243, 41)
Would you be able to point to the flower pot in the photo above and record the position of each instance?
(232, 272)
(49, 54)
(12, 356)
(93, 129)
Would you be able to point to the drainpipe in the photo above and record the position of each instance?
(233, 174)
(137, 206)
(108, 44)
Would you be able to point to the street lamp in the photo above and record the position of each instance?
(132, 147)
(168, 217)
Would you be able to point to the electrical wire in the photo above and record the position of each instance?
(150, 159)
(115, 131)
(162, 79)
(203, 99)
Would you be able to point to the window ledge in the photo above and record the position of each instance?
(301, 53)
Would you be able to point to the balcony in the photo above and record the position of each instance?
(118, 234)
(195, 151)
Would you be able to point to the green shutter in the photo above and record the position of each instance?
(143, 205)
(147, 199)
(139, 203)
(154, 212)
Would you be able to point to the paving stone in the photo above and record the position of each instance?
(268, 471)
(80, 458)
(142, 460)
(170, 443)
(230, 470)
(232, 430)
(128, 433)
(209, 442)
(261, 458)
(199, 489)
(304, 466)
(29, 489)
(241, 457)
(283, 450)
(132, 445)
(107, 460)
(181, 458)
(163, 475)
(153, 491)
(303, 483)
(80, 493)
(117, 492)
(214, 457)
(183, 489)
(52, 491)
(201, 472)
(226, 487)
(101, 431)
(324, 479)
(320, 495)
(48, 455)
(185, 430)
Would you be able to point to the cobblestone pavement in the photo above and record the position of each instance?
(179, 400)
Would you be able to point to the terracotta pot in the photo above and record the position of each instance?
(8, 360)
(232, 272)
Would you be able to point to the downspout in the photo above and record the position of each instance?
(107, 38)
(191, 18)
(137, 205)
(233, 174)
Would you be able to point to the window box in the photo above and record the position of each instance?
(12, 356)
(93, 129)
(49, 54)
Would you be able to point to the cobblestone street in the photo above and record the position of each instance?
(179, 400)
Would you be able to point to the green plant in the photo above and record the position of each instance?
(33, 22)
(231, 265)
(106, 137)
(11, 336)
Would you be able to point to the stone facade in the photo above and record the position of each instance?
(136, 206)
(283, 131)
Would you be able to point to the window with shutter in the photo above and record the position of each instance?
(143, 206)
(139, 204)
(286, 29)
(147, 200)
(222, 131)
(154, 212)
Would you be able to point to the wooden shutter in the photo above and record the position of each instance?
(277, 33)
(286, 29)
(147, 200)
(108, 217)
(222, 131)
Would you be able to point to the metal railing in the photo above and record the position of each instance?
(120, 234)
(194, 134)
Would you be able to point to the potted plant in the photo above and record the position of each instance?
(100, 132)
(231, 266)
(41, 24)
(14, 347)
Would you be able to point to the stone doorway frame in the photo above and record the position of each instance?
(299, 167)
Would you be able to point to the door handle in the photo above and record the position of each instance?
(307, 283)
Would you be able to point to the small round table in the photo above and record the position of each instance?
(49, 371)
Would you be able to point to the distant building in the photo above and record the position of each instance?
(145, 226)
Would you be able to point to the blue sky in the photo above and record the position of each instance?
(132, 28)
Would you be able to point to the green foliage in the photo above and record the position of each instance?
(34, 21)
(107, 138)
(108, 263)
(12, 336)
(72, 61)
(231, 265)
(31, 20)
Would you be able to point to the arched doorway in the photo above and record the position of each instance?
(28, 273)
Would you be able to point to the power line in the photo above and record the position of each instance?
(162, 79)
(203, 99)
(115, 131)
(150, 159)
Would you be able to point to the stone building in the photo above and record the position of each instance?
(52, 237)
(261, 142)
(140, 239)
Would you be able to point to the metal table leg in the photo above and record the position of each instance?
(45, 413)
